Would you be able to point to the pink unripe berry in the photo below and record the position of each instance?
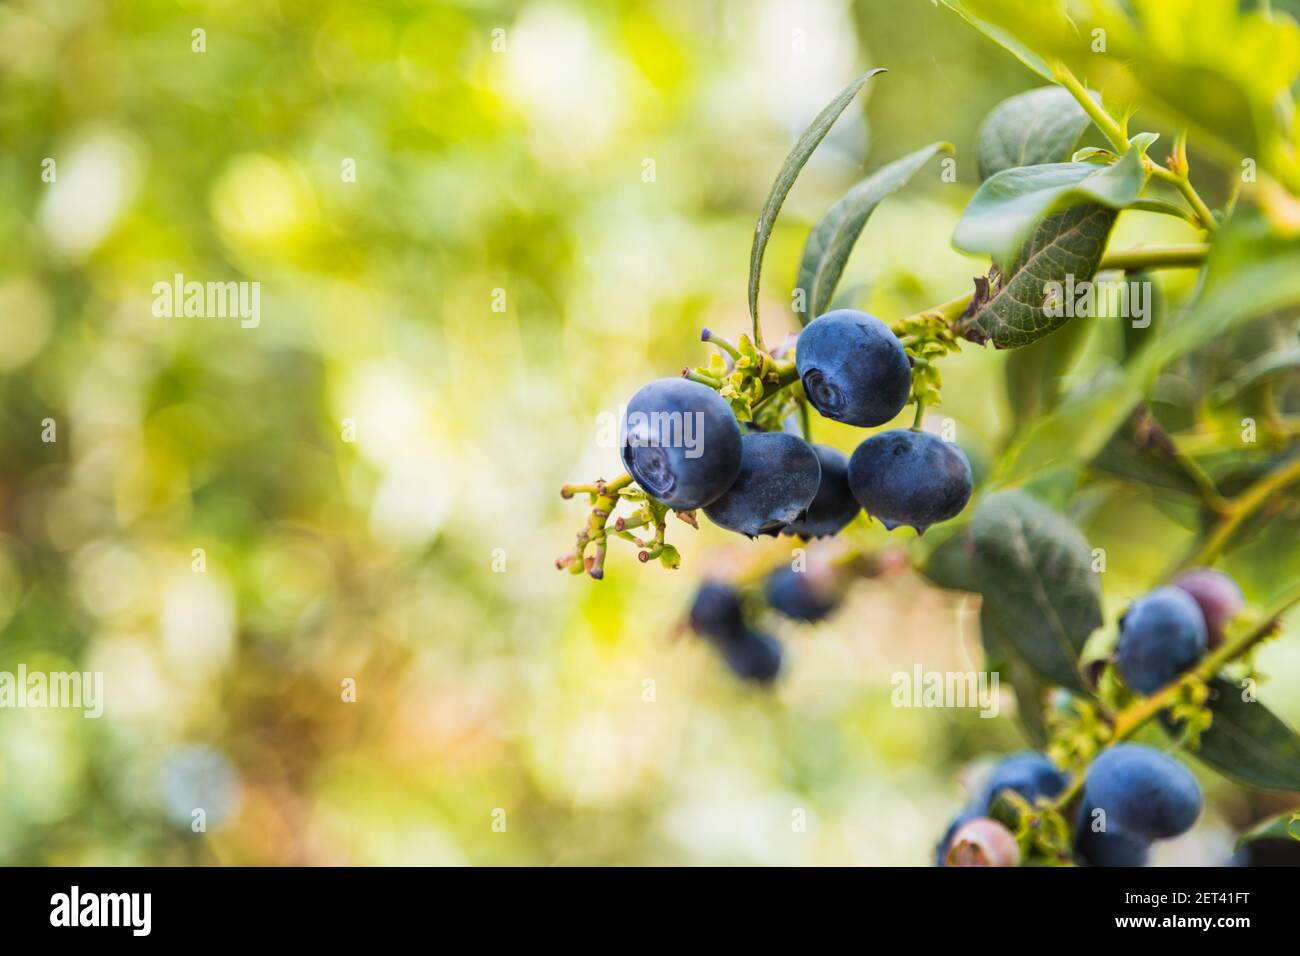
(983, 842)
(1219, 598)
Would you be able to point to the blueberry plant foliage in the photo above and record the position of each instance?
(1106, 701)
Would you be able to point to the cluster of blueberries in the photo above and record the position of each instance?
(854, 370)
(717, 614)
(1133, 795)
(1169, 630)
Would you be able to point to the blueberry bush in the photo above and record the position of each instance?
(1112, 704)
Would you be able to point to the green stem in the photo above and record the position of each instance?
(1176, 256)
(920, 411)
(1184, 186)
(1238, 510)
(1113, 132)
(694, 376)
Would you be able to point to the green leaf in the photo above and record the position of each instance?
(1131, 456)
(1034, 374)
(1010, 308)
(1259, 370)
(1248, 743)
(1003, 38)
(1034, 569)
(1000, 657)
(1283, 826)
(1038, 126)
(1134, 336)
(803, 149)
(1076, 431)
(1008, 205)
(1250, 274)
(951, 565)
(832, 239)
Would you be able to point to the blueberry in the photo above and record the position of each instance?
(853, 368)
(716, 612)
(1146, 795)
(982, 842)
(1162, 635)
(1028, 773)
(1110, 848)
(752, 657)
(799, 595)
(1219, 598)
(834, 506)
(681, 442)
(778, 479)
(909, 477)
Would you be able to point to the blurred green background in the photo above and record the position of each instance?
(372, 472)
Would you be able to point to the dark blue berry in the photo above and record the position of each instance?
(1028, 773)
(834, 506)
(800, 595)
(905, 477)
(752, 657)
(778, 479)
(1146, 795)
(1110, 848)
(716, 612)
(681, 442)
(853, 368)
(1162, 635)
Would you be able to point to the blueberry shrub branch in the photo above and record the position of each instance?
(731, 439)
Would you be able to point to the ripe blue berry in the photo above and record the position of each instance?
(681, 442)
(752, 657)
(778, 479)
(1146, 795)
(1217, 595)
(800, 595)
(716, 612)
(1110, 848)
(1162, 635)
(853, 368)
(909, 477)
(1028, 773)
(834, 506)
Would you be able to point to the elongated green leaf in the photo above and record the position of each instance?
(832, 239)
(1003, 38)
(1012, 308)
(1076, 431)
(1133, 455)
(1000, 657)
(1008, 205)
(1038, 126)
(1034, 569)
(1248, 743)
(803, 149)
(1265, 367)
(951, 565)
(1034, 374)
(1283, 826)
(1250, 274)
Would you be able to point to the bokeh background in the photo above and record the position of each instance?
(372, 472)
